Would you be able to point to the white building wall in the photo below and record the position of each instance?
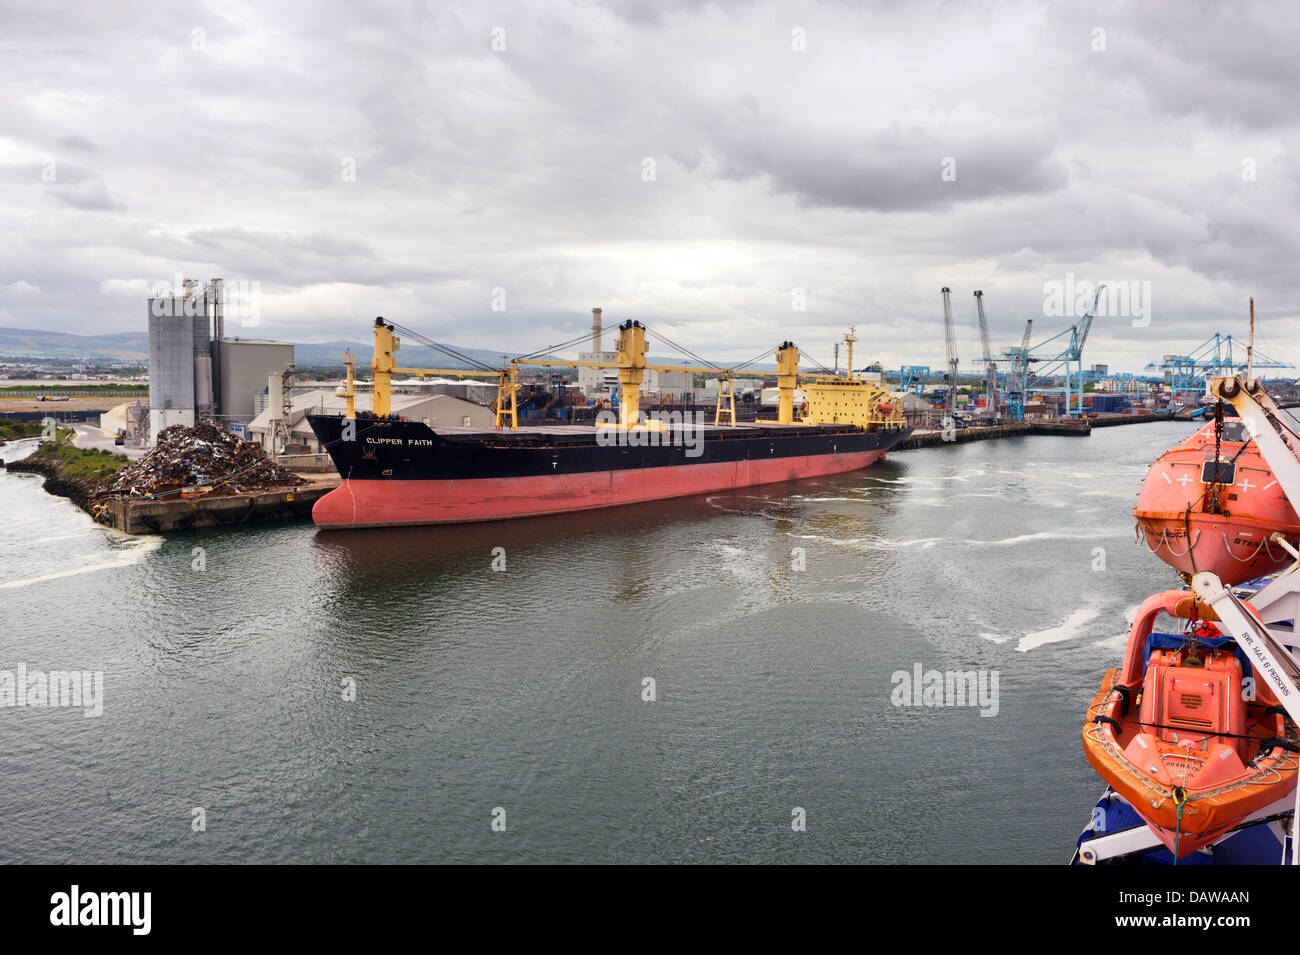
(593, 380)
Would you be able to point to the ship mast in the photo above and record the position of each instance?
(350, 386)
(1250, 345)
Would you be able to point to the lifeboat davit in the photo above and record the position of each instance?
(1173, 733)
(1213, 505)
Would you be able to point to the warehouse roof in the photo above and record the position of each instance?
(327, 401)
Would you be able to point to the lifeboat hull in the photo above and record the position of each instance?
(1236, 549)
(1209, 808)
(1207, 506)
(1172, 733)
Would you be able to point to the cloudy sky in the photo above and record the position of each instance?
(734, 174)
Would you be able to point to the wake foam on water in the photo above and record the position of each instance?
(127, 555)
(923, 543)
(1115, 644)
(833, 541)
(1058, 634)
(1040, 536)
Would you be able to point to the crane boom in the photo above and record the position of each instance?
(990, 369)
(984, 326)
(1085, 324)
(950, 350)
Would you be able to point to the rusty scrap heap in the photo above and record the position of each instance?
(201, 460)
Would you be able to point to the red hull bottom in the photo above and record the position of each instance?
(395, 503)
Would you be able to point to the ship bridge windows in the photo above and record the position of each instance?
(1218, 472)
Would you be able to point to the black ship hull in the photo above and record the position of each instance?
(399, 472)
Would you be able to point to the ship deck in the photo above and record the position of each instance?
(587, 430)
(587, 434)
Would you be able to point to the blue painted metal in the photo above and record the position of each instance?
(913, 378)
(1215, 357)
(1066, 363)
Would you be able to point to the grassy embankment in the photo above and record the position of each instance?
(90, 388)
(72, 472)
(13, 430)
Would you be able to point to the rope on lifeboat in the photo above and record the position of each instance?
(1195, 538)
(1287, 744)
(1263, 775)
(1270, 743)
(1180, 800)
(1139, 537)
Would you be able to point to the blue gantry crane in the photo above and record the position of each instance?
(1215, 357)
(1013, 407)
(1062, 357)
(913, 378)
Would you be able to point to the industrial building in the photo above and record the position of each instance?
(195, 372)
(598, 381)
(483, 392)
(437, 411)
(180, 364)
(916, 410)
(243, 368)
(602, 382)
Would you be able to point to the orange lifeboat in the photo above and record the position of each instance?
(1177, 732)
(1212, 503)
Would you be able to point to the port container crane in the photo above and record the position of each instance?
(913, 378)
(950, 350)
(990, 368)
(1067, 360)
(1017, 375)
(1213, 358)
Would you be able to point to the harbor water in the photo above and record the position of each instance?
(711, 679)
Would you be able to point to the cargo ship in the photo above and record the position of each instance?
(398, 472)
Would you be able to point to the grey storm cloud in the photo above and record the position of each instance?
(692, 164)
(895, 169)
(86, 194)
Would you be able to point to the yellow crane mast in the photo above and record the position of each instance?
(831, 399)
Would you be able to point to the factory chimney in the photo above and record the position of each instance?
(219, 308)
(218, 333)
(595, 330)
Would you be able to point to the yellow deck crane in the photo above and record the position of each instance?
(383, 366)
(831, 399)
(632, 366)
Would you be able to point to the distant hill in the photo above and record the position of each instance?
(415, 356)
(41, 343)
(134, 347)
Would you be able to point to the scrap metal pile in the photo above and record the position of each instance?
(201, 460)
